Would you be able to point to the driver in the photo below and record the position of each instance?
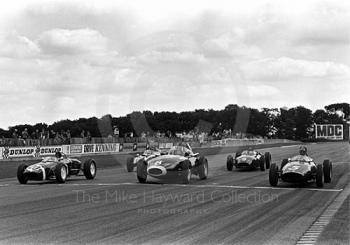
(58, 155)
(303, 150)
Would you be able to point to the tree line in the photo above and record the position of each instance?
(293, 123)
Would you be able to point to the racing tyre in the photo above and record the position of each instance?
(130, 164)
(61, 173)
(186, 176)
(89, 169)
(203, 168)
(267, 160)
(273, 174)
(262, 163)
(319, 175)
(327, 171)
(229, 162)
(284, 162)
(20, 174)
(141, 169)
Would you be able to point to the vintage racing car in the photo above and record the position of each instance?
(177, 165)
(301, 169)
(57, 167)
(131, 161)
(249, 159)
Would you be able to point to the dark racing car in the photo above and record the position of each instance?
(131, 161)
(58, 167)
(301, 169)
(249, 159)
(179, 164)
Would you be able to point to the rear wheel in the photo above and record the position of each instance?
(141, 169)
(262, 163)
(89, 169)
(130, 164)
(20, 174)
(273, 174)
(267, 159)
(284, 162)
(229, 162)
(327, 171)
(203, 168)
(319, 175)
(61, 173)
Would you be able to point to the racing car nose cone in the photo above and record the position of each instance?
(156, 171)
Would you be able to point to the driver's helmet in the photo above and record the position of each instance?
(58, 154)
(152, 148)
(303, 150)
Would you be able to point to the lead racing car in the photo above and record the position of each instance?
(131, 161)
(58, 167)
(249, 159)
(301, 169)
(179, 164)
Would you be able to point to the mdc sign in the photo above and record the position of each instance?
(329, 131)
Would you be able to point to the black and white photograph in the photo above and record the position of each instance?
(175, 122)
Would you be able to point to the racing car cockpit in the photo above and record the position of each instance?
(301, 159)
(248, 153)
(60, 156)
(180, 151)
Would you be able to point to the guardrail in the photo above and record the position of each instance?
(10, 152)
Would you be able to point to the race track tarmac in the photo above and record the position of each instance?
(237, 207)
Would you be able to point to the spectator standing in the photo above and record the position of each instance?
(116, 132)
(82, 134)
(15, 137)
(25, 136)
(15, 134)
(32, 135)
(68, 136)
(88, 136)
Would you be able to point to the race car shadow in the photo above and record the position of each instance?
(297, 185)
(50, 182)
(247, 170)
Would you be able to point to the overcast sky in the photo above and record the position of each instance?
(71, 59)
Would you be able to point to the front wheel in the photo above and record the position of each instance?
(141, 170)
(130, 164)
(267, 159)
(89, 169)
(186, 176)
(20, 174)
(273, 174)
(319, 175)
(203, 169)
(61, 173)
(284, 162)
(327, 171)
(229, 162)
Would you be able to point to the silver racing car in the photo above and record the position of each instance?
(179, 164)
(58, 167)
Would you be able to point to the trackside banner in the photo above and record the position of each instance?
(93, 148)
(29, 151)
(329, 131)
